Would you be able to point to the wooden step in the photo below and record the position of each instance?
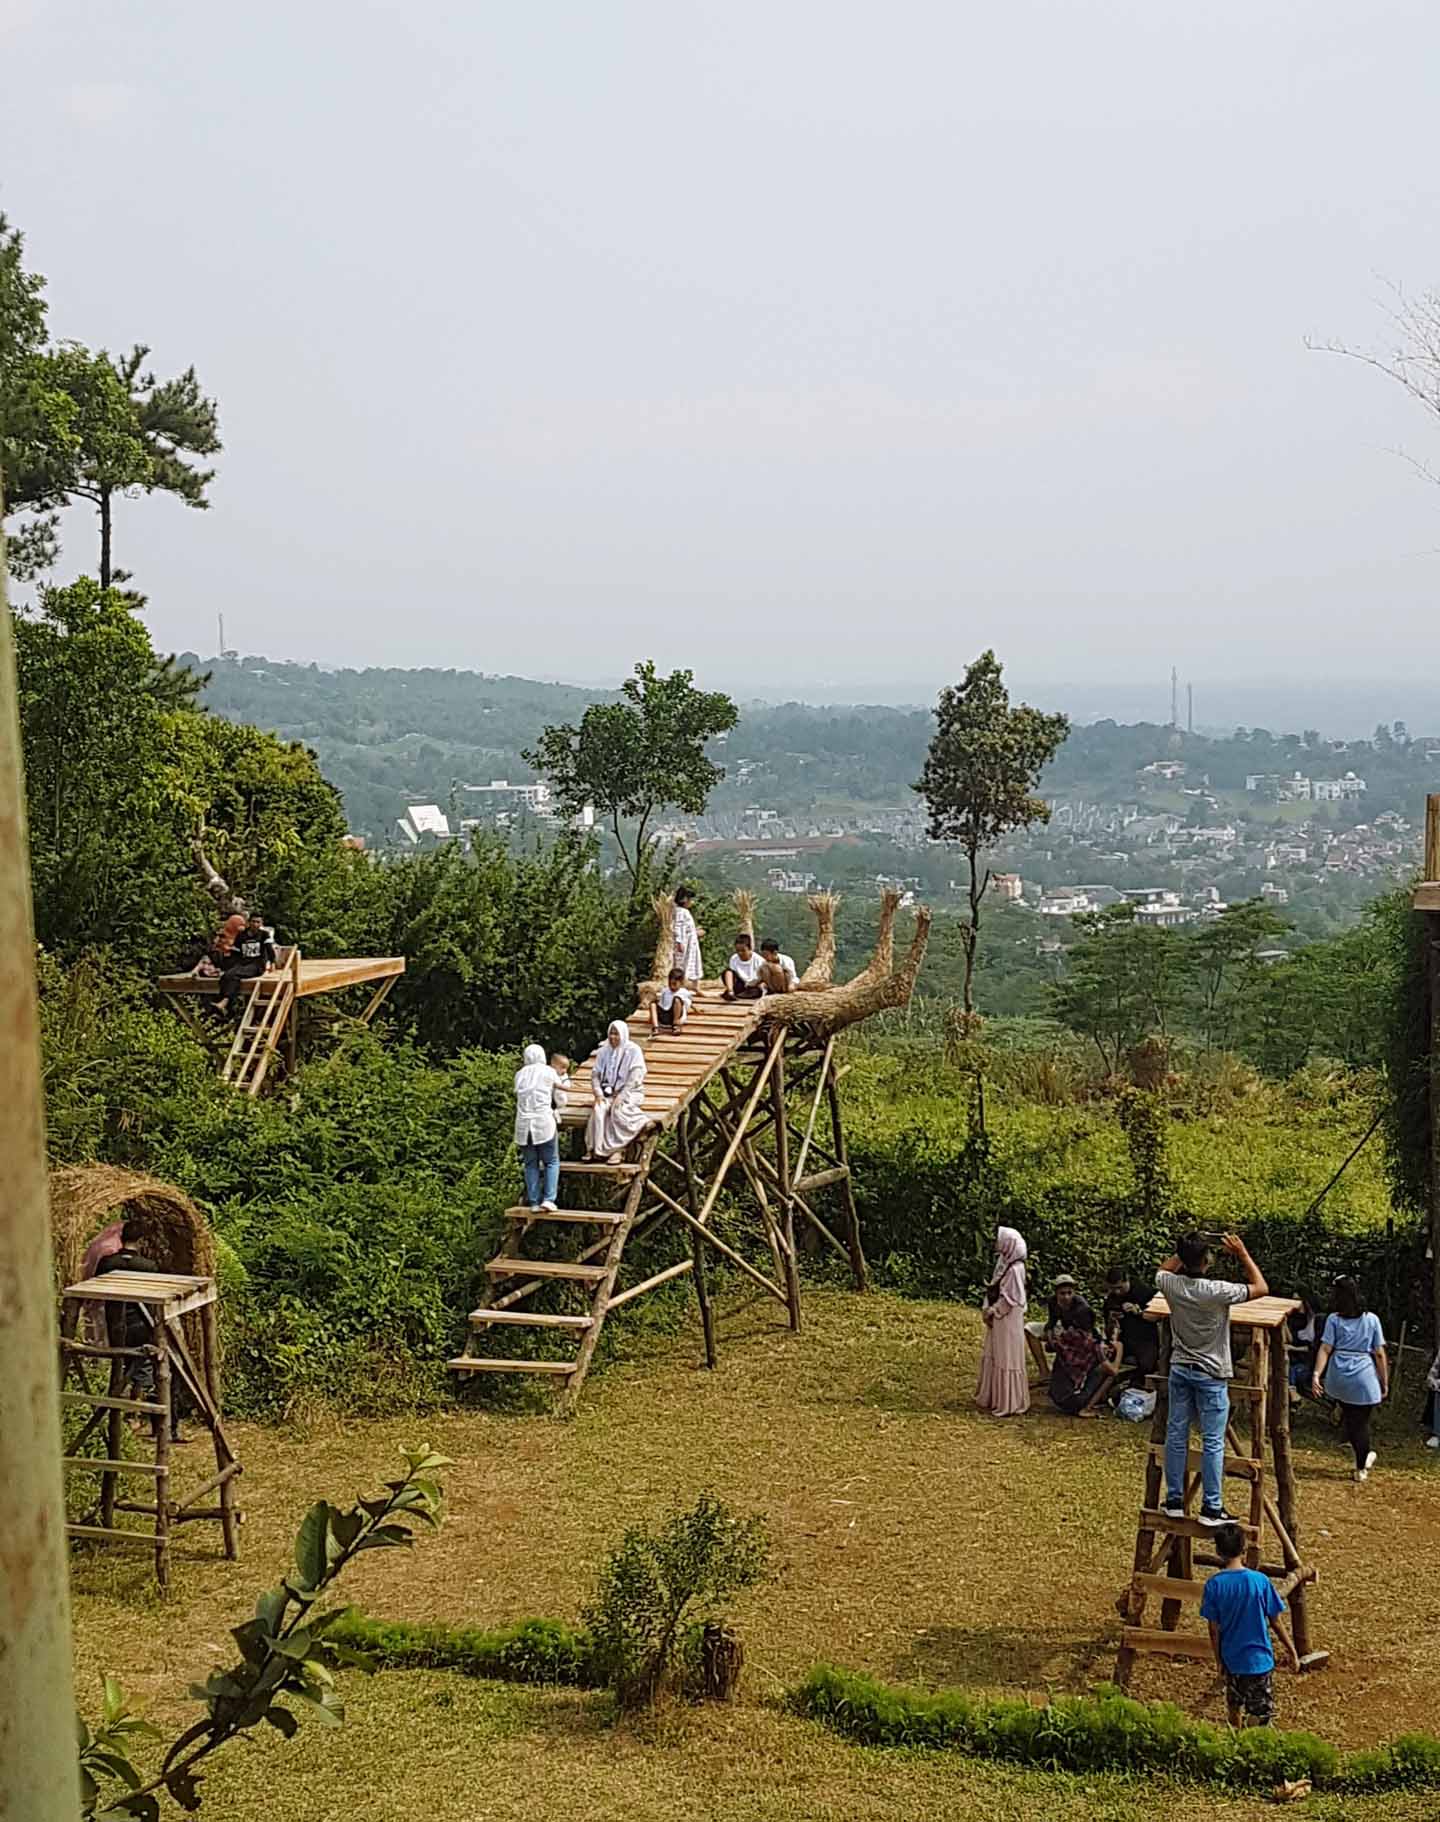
(544, 1268)
(1169, 1587)
(601, 1217)
(598, 1170)
(534, 1319)
(1173, 1644)
(465, 1363)
(1154, 1520)
(1244, 1467)
(1239, 1388)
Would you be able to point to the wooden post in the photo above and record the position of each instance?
(114, 1438)
(1432, 975)
(39, 1780)
(165, 1398)
(1432, 836)
(1286, 1503)
(858, 1268)
(787, 1198)
(697, 1248)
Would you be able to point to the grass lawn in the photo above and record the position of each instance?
(914, 1538)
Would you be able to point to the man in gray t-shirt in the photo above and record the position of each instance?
(1200, 1367)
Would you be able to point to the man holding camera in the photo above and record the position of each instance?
(1200, 1366)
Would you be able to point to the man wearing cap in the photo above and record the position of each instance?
(1066, 1309)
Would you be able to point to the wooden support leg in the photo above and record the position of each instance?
(860, 1271)
(164, 1397)
(1285, 1501)
(697, 1246)
(787, 1199)
(114, 1445)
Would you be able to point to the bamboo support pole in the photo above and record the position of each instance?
(783, 1184)
(1432, 836)
(757, 1088)
(39, 1781)
(1286, 1502)
(712, 1239)
(697, 1251)
(639, 1290)
(165, 1397)
(859, 1269)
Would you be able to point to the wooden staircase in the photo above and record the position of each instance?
(679, 1065)
(269, 1005)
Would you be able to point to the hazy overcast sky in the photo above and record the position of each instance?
(805, 342)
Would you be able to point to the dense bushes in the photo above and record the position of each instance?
(1106, 1731)
(534, 1651)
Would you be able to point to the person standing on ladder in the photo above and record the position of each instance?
(1200, 1367)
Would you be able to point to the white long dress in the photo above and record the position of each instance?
(687, 944)
(617, 1116)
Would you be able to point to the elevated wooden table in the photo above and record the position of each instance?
(1165, 1563)
(167, 1299)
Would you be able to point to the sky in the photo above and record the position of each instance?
(813, 345)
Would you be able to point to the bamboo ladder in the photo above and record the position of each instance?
(166, 1299)
(1165, 1563)
(269, 1009)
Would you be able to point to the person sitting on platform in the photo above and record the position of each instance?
(1084, 1369)
(618, 1079)
(671, 1006)
(1239, 1604)
(1066, 1308)
(741, 978)
(1123, 1313)
(539, 1092)
(1200, 1366)
(1431, 1418)
(778, 973)
(130, 1325)
(254, 955)
(220, 950)
(687, 938)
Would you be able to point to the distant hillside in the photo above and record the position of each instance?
(392, 737)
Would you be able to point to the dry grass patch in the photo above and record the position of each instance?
(915, 1539)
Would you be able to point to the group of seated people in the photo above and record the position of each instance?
(1090, 1359)
(240, 950)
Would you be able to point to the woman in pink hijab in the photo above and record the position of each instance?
(1004, 1388)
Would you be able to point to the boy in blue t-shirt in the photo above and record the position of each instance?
(1240, 1604)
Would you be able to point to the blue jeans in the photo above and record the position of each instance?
(540, 1159)
(1197, 1398)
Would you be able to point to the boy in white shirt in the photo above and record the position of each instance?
(741, 978)
(778, 973)
(671, 1006)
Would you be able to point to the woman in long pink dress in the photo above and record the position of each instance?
(1004, 1388)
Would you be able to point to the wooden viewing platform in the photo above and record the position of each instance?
(269, 1017)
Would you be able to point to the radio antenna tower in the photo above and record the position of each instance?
(1174, 697)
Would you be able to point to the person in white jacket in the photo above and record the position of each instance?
(539, 1092)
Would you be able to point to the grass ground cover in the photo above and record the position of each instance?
(917, 1541)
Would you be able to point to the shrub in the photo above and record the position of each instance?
(1106, 1731)
(533, 1651)
(659, 1582)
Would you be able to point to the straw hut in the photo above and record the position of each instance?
(84, 1198)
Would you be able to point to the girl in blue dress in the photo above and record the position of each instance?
(1351, 1367)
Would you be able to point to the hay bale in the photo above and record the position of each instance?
(87, 1197)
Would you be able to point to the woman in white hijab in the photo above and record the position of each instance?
(619, 1084)
(539, 1090)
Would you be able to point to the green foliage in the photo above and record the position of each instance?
(289, 1655)
(631, 758)
(980, 776)
(661, 1580)
(532, 1651)
(1105, 1731)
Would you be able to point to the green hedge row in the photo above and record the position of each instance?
(1106, 1731)
(534, 1651)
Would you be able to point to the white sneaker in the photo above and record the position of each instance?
(1362, 1473)
(549, 1208)
(1432, 1442)
(1369, 1462)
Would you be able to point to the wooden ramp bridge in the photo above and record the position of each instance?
(743, 1102)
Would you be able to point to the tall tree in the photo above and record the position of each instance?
(36, 442)
(980, 776)
(631, 759)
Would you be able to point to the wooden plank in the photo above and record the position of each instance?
(821, 1179)
(467, 1363)
(598, 1170)
(94, 1401)
(536, 1319)
(1238, 1387)
(544, 1268)
(1156, 1520)
(322, 975)
(1255, 1313)
(1426, 897)
(1168, 1644)
(98, 1465)
(1172, 1587)
(136, 1287)
(1243, 1467)
(145, 1539)
(598, 1216)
